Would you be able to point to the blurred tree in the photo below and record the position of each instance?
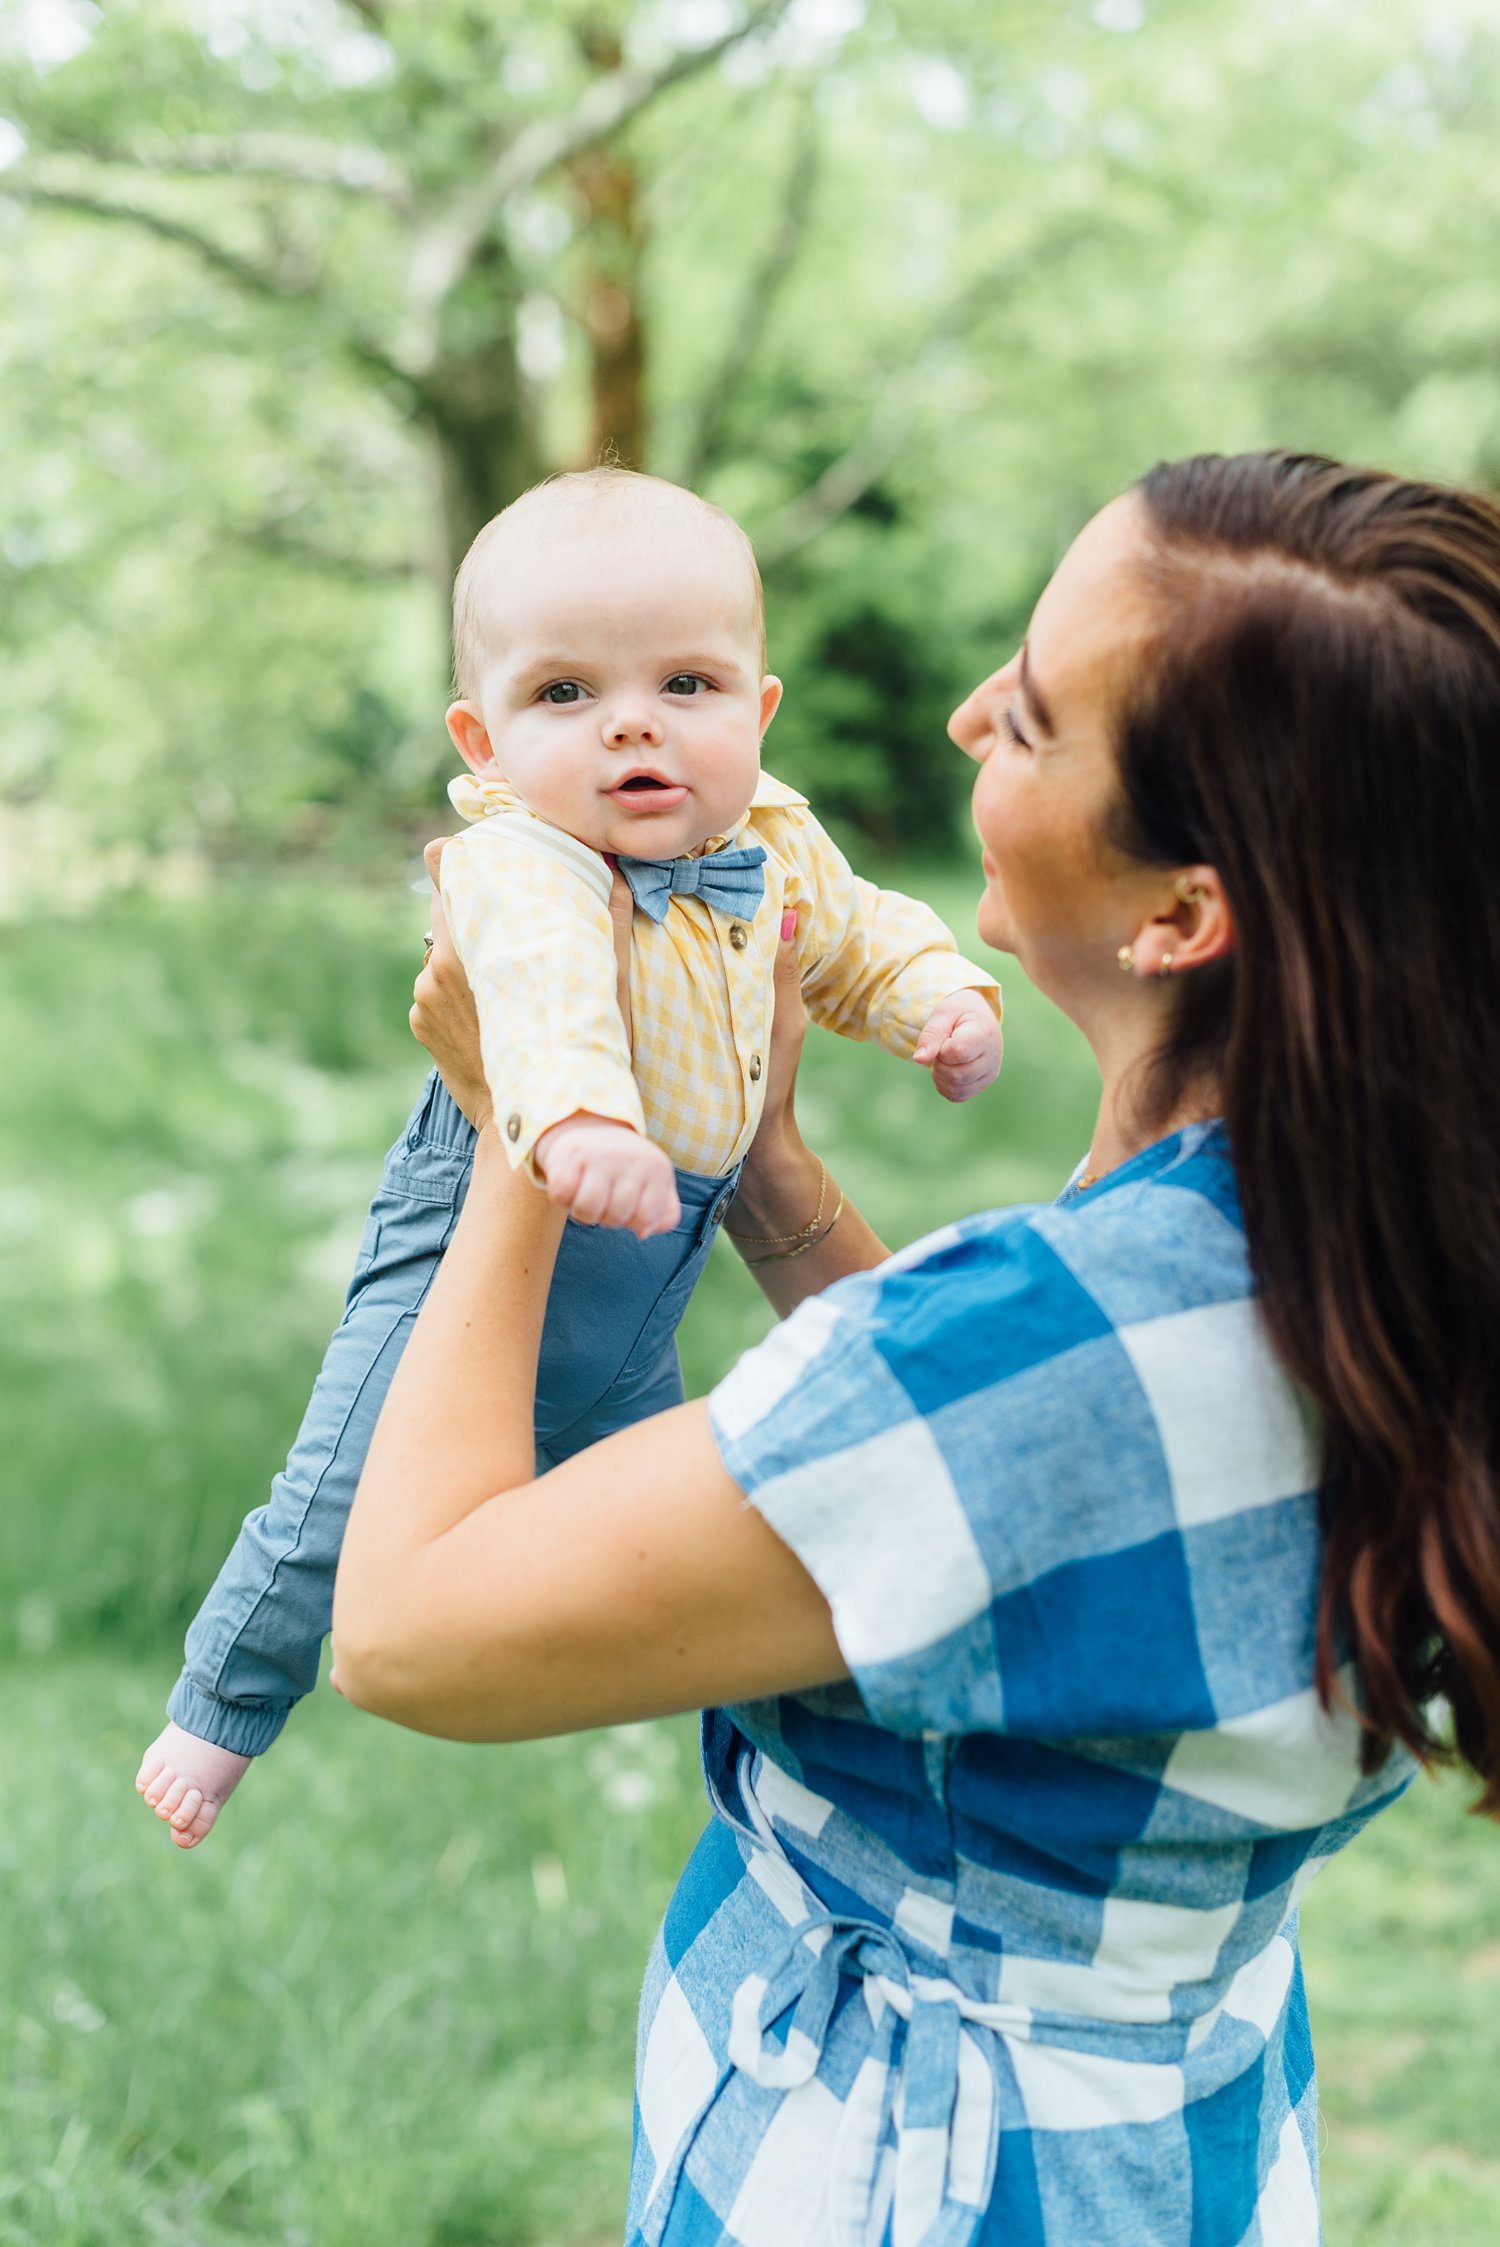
(437, 123)
(910, 285)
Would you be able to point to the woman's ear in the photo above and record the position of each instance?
(472, 741)
(1193, 926)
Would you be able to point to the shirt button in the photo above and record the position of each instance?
(739, 937)
(512, 1127)
(755, 1068)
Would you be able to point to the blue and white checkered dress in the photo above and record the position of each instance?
(998, 1942)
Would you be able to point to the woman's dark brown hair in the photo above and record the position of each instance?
(1320, 721)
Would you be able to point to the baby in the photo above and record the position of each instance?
(610, 657)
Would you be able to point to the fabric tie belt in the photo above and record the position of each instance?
(733, 881)
(939, 2092)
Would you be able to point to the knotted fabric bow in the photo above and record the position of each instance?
(733, 881)
(929, 2079)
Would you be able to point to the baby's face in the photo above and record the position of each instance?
(622, 695)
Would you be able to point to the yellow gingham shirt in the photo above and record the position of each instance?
(528, 906)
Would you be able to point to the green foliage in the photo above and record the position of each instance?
(198, 1098)
(922, 286)
(390, 2003)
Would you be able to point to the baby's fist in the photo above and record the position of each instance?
(961, 1044)
(603, 1173)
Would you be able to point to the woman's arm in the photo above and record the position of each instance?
(477, 1602)
(783, 1184)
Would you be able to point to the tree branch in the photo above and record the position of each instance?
(274, 537)
(298, 159)
(258, 280)
(846, 480)
(842, 483)
(443, 253)
(705, 438)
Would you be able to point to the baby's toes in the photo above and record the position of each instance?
(165, 1799)
(154, 1789)
(188, 1809)
(193, 1818)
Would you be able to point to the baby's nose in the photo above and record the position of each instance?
(624, 726)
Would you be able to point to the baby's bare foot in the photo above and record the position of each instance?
(187, 1782)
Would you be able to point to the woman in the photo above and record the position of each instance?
(1101, 1563)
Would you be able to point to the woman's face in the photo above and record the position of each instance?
(1057, 894)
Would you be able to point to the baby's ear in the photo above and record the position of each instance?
(770, 702)
(471, 740)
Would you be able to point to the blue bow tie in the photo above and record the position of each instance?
(732, 880)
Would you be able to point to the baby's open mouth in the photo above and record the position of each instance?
(647, 789)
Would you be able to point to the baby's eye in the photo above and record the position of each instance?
(686, 682)
(562, 691)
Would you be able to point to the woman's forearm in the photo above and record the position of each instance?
(477, 1602)
(781, 1189)
(457, 1426)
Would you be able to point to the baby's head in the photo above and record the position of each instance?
(609, 655)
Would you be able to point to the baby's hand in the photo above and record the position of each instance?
(187, 1782)
(961, 1044)
(604, 1173)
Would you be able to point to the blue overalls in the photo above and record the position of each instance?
(608, 1358)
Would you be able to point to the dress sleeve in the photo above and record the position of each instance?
(1022, 1510)
(874, 962)
(532, 928)
(825, 1427)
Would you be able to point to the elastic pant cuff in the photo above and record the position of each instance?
(243, 1729)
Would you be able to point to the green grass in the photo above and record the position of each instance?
(390, 2003)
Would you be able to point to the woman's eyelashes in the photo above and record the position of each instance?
(1013, 729)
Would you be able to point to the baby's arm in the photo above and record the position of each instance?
(880, 965)
(528, 909)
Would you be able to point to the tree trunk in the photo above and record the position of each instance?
(475, 406)
(614, 234)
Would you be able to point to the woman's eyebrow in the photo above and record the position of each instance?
(1034, 695)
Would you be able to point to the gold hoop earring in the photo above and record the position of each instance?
(1188, 893)
(1126, 959)
(1166, 964)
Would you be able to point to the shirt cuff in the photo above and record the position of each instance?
(557, 1086)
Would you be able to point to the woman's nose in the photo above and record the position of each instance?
(961, 724)
(971, 726)
(967, 726)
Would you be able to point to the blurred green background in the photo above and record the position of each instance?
(293, 294)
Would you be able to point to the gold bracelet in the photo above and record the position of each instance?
(781, 1255)
(807, 1232)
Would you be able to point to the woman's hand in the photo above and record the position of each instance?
(443, 1016)
(777, 1134)
(783, 1186)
